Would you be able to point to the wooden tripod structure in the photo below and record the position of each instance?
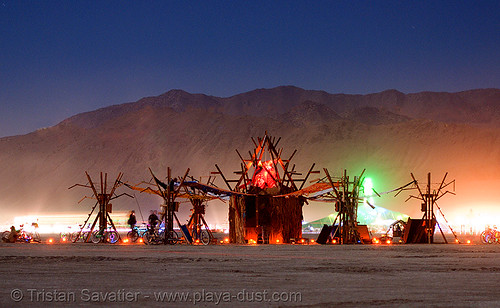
(256, 214)
(197, 225)
(429, 197)
(197, 222)
(346, 196)
(169, 192)
(103, 197)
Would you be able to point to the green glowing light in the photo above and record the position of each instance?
(368, 186)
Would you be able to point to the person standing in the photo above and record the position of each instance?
(132, 220)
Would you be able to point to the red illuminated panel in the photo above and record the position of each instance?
(265, 175)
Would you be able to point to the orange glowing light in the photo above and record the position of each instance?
(64, 239)
(140, 240)
(468, 241)
(125, 240)
(334, 241)
(50, 240)
(312, 241)
(197, 241)
(456, 241)
(388, 242)
(302, 240)
(277, 241)
(222, 242)
(226, 240)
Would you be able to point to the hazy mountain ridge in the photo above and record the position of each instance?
(388, 133)
(473, 106)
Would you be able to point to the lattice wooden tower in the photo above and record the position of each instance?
(257, 214)
(103, 197)
(346, 195)
(169, 192)
(429, 196)
(197, 225)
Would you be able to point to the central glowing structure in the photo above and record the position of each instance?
(259, 212)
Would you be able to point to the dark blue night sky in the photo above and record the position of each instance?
(59, 58)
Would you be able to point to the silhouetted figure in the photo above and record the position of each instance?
(132, 220)
(153, 220)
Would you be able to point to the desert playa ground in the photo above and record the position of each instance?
(254, 275)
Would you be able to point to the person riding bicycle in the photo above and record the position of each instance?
(153, 220)
(132, 220)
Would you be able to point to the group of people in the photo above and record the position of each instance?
(153, 220)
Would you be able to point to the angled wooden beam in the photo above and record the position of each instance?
(176, 191)
(223, 177)
(307, 176)
(418, 187)
(442, 183)
(277, 142)
(92, 185)
(255, 143)
(337, 194)
(115, 185)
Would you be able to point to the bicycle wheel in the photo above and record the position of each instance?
(483, 237)
(64, 236)
(147, 237)
(5, 236)
(173, 238)
(96, 237)
(75, 236)
(133, 235)
(490, 237)
(83, 236)
(204, 237)
(112, 237)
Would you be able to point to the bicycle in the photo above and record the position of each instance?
(136, 233)
(202, 235)
(67, 236)
(80, 236)
(151, 236)
(34, 235)
(23, 236)
(490, 236)
(154, 236)
(105, 236)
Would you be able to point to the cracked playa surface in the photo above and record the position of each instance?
(225, 275)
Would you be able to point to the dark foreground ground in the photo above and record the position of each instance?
(261, 275)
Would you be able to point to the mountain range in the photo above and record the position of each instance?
(390, 134)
